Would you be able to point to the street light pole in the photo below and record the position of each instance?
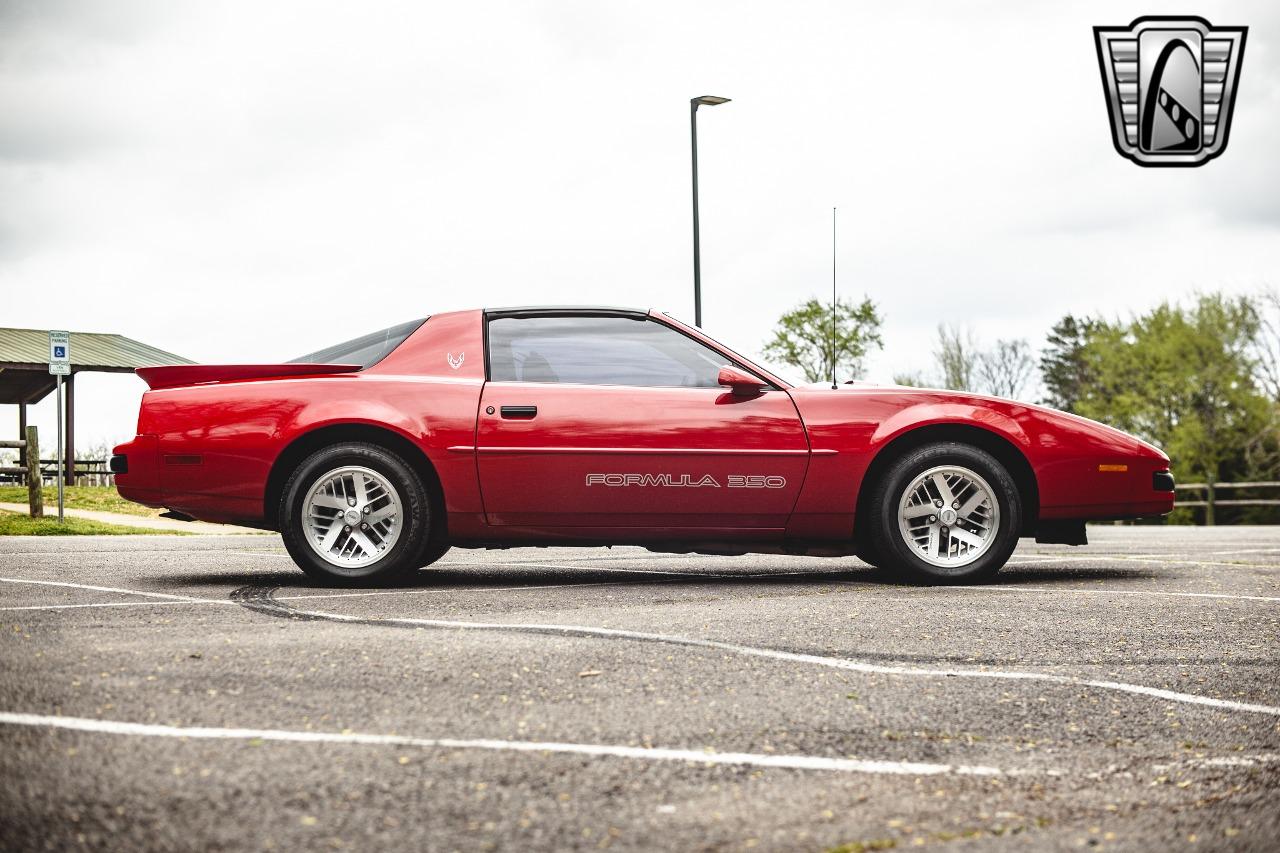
(694, 103)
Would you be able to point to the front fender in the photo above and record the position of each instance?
(932, 413)
(850, 427)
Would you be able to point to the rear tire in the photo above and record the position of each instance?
(865, 551)
(945, 513)
(356, 514)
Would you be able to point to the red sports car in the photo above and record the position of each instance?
(593, 426)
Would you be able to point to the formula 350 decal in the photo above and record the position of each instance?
(688, 481)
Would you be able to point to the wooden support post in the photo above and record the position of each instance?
(22, 433)
(35, 496)
(70, 386)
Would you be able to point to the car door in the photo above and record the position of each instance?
(616, 420)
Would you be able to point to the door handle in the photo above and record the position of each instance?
(520, 412)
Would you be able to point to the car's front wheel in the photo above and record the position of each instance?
(355, 514)
(945, 512)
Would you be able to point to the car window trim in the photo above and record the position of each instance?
(733, 356)
(724, 352)
(551, 311)
(623, 313)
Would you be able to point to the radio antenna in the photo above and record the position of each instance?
(833, 300)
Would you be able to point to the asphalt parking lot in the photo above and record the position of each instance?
(200, 693)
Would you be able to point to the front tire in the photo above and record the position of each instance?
(355, 514)
(945, 513)
(434, 551)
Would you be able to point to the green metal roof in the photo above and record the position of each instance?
(24, 360)
(89, 350)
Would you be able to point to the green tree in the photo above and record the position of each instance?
(1063, 366)
(814, 338)
(1184, 380)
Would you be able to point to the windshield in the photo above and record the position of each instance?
(366, 350)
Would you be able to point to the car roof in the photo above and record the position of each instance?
(561, 310)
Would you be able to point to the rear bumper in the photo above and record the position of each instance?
(135, 464)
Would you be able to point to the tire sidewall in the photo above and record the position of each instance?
(887, 537)
(415, 529)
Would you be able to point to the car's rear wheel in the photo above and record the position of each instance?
(865, 551)
(356, 514)
(945, 513)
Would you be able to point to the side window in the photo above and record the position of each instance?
(598, 351)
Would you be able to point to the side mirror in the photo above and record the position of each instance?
(742, 383)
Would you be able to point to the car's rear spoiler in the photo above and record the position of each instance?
(196, 374)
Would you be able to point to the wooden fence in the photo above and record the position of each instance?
(1210, 499)
(89, 472)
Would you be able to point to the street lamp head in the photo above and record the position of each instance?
(709, 100)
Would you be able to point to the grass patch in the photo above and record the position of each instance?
(16, 524)
(100, 498)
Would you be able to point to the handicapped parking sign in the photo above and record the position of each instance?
(60, 353)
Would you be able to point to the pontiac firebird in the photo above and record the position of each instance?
(604, 426)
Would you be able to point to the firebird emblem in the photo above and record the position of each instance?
(455, 363)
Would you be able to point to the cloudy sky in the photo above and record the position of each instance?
(244, 181)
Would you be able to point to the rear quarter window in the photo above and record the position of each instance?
(366, 350)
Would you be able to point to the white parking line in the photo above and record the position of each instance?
(1165, 561)
(790, 762)
(1234, 760)
(1245, 551)
(750, 651)
(817, 660)
(112, 604)
(163, 595)
(180, 599)
(1130, 558)
(190, 600)
(456, 590)
(1222, 595)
